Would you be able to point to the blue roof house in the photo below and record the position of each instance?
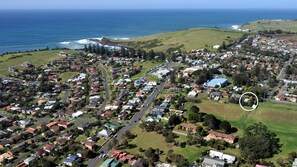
(70, 159)
(217, 82)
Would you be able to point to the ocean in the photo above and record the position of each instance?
(22, 30)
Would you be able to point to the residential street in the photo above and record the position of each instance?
(135, 119)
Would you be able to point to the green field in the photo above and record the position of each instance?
(146, 66)
(287, 26)
(146, 140)
(67, 75)
(196, 38)
(38, 58)
(279, 118)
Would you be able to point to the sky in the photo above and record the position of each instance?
(148, 4)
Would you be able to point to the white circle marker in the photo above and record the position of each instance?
(254, 106)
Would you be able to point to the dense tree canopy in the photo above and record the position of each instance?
(258, 142)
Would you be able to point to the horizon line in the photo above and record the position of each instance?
(148, 9)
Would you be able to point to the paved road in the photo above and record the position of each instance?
(65, 97)
(106, 88)
(283, 71)
(135, 119)
(281, 76)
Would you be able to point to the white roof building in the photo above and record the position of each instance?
(228, 158)
(77, 114)
(192, 94)
(104, 133)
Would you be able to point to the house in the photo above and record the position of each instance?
(189, 71)
(198, 89)
(217, 95)
(164, 165)
(70, 159)
(61, 142)
(68, 136)
(209, 162)
(227, 158)
(5, 143)
(40, 153)
(152, 119)
(90, 145)
(31, 130)
(83, 126)
(82, 153)
(22, 164)
(47, 134)
(124, 157)
(188, 127)
(48, 148)
(221, 136)
(139, 162)
(280, 97)
(217, 82)
(55, 129)
(15, 138)
(110, 163)
(107, 114)
(64, 124)
(111, 126)
(174, 89)
(25, 123)
(258, 165)
(192, 94)
(51, 124)
(104, 133)
(28, 161)
(77, 114)
(6, 156)
(13, 128)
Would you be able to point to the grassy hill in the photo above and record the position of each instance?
(196, 38)
(279, 118)
(261, 25)
(37, 58)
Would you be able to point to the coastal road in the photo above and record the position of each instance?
(135, 119)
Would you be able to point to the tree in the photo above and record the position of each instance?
(199, 130)
(212, 122)
(162, 56)
(195, 117)
(174, 120)
(151, 55)
(225, 126)
(194, 109)
(240, 79)
(151, 155)
(258, 143)
(173, 79)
